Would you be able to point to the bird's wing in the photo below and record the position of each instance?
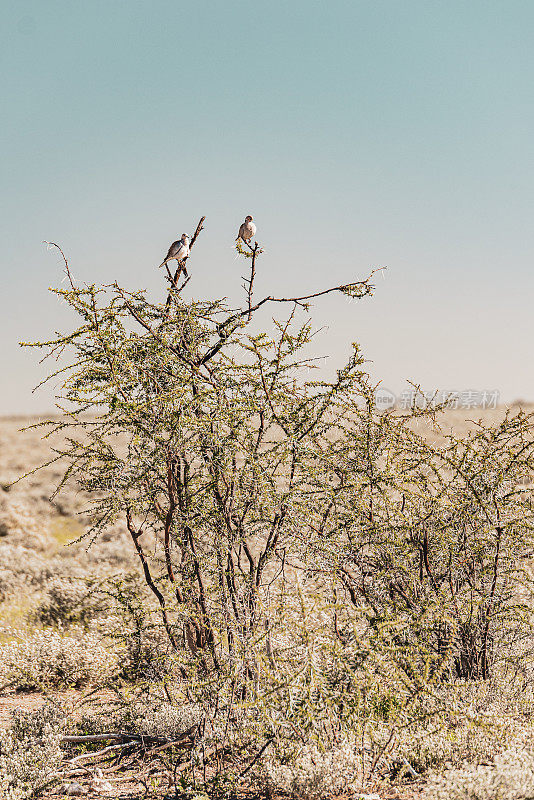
(181, 251)
(241, 231)
(173, 250)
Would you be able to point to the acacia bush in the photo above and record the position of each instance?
(134, 627)
(433, 542)
(321, 571)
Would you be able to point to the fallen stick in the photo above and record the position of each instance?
(98, 753)
(124, 736)
(100, 737)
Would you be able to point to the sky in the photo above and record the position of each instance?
(359, 134)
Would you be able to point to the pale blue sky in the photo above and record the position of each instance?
(357, 133)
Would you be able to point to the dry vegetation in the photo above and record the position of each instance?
(66, 670)
(251, 585)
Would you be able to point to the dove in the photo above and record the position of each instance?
(247, 229)
(178, 250)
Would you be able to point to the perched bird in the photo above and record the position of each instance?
(178, 250)
(247, 230)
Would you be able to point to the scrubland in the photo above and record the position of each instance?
(82, 654)
(233, 579)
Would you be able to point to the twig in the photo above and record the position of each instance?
(181, 266)
(364, 286)
(250, 281)
(98, 753)
(67, 270)
(257, 756)
(122, 737)
(100, 737)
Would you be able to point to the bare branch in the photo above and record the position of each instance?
(181, 266)
(67, 269)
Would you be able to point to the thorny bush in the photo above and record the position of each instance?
(320, 568)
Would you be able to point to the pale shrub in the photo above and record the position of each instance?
(454, 735)
(19, 524)
(510, 776)
(68, 602)
(147, 656)
(313, 774)
(466, 722)
(50, 659)
(112, 549)
(153, 719)
(168, 720)
(436, 743)
(29, 752)
(20, 567)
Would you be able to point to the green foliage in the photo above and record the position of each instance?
(319, 567)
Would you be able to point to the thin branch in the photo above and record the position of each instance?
(181, 266)
(67, 270)
(351, 289)
(249, 282)
(135, 535)
(257, 756)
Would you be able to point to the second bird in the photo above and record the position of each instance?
(247, 230)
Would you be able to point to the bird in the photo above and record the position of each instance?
(178, 250)
(247, 230)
